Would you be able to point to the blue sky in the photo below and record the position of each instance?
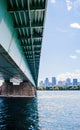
(60, 54)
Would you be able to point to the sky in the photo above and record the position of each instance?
(60, 55)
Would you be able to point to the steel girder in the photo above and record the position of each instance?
(28, 17)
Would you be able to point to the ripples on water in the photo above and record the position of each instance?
(18, 114)
(59, 110)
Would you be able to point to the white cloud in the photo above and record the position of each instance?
(64, 76)
(53, 1)
(69, 5)
(73, 57)
(73, 4)
(75, 25)
(77, 51)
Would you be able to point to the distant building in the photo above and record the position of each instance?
(60, 83)
(41, 83)
(75, 82)
(68, 82)
(50, 84)
(64, 83)
(53, 81)
(78, 83)
(46, 82)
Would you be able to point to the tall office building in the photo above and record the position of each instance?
(53, 81)
(68, 82)
(75, 81)
(46, 82)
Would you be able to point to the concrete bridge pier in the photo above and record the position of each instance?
(25, 89)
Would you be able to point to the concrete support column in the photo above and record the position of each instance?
(25, 89)
(6, 88)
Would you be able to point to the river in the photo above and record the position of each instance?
(50, 110)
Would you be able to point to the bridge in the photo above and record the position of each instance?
(21, 34)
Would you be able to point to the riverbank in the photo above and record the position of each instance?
(58, 88)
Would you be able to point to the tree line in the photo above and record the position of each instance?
(59, 88)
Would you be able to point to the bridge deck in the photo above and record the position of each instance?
(21, 25)
(28, 17)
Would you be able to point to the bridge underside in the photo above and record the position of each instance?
(21, 33)
(28, 18)
(8, 68)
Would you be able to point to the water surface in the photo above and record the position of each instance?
(59, 110)
(18, 114)
(50, 110)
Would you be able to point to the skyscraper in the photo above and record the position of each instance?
(46, 82)
(68, 82)
(53, 81)
(75, 81)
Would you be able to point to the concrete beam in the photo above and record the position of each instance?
(25, 89)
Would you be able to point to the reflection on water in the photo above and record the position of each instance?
(57, 110)
(18, 114)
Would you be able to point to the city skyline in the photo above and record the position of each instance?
(60, 54)
(64, 76)
(54, 82)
